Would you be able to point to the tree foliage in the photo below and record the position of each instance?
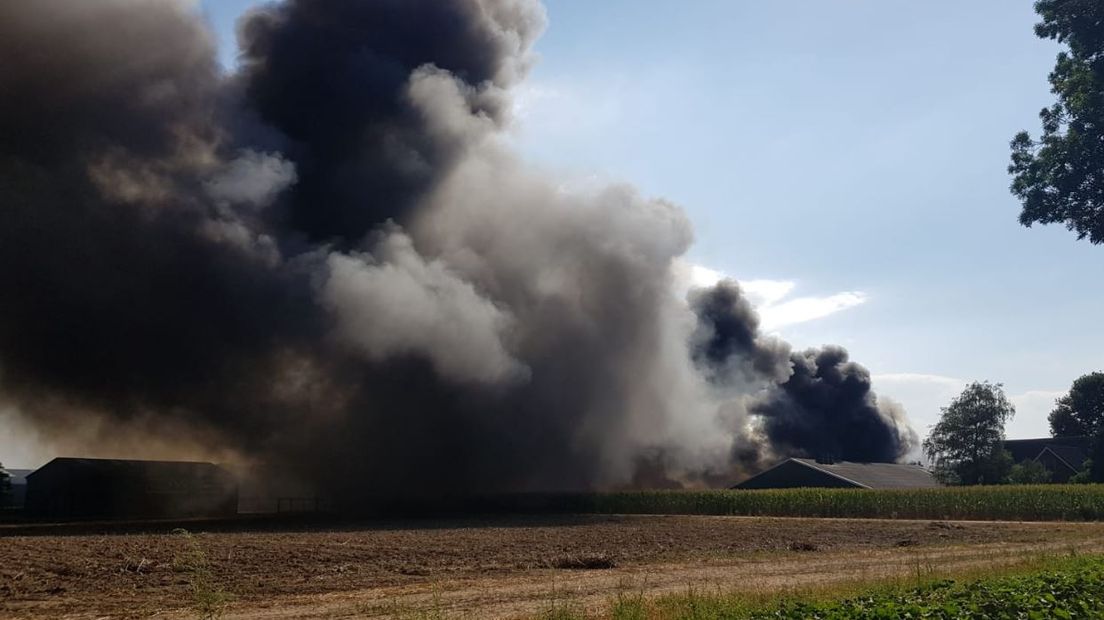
(1059, 178)
(1081, 411)
(1029, 472)
(1093, 468)
(966, 446)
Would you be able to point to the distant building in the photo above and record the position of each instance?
(796, 473)
(74, 488)
(1062, 456)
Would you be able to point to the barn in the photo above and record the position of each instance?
(796, 473)
(79, 488)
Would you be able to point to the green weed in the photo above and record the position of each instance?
(208, 600)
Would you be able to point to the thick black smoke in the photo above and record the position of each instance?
(827, 410)
(331, 76)
(122, 290)
(728, 339)
(329, 259)
(822, 407)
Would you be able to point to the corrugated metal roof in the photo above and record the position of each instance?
(877, 475)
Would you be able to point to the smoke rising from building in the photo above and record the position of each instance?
(331, 258)
(815, 403)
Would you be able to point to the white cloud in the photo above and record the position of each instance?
(919, 378)
(769, 296)
(530, 97)
(766, 292)
(700, 275)
(805, 309)
(923, 396)
(563, 110)
(1032, 409)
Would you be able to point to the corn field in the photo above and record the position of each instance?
(1049, 502)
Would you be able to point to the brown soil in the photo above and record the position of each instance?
(486, 568)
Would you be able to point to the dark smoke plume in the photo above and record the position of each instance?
(826, 409)
(332, 78)
(821, 406)
(330, 259)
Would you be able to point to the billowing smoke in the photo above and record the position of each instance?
(827, 410)
(336, 80)
(332, 259)
(816, 403)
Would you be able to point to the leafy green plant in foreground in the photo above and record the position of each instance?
(1076, 591)
(1052, 588)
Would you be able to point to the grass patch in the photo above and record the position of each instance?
(1044, 587)
(561, 607)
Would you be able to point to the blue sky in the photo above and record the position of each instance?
(848, 156)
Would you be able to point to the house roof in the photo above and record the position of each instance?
(876, 475)
(1071, 456)
(1029, 449)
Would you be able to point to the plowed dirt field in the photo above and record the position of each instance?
(477, 568)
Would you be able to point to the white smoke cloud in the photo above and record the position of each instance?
(252, 179)
(393, 302)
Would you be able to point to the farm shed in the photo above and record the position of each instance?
(796, 473)
(122, 489)
(1062, 456)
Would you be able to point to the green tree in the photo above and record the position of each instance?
(1059, 178)
(1085, 476)
(1029, 472)
(1081, 411)
(1093, 469)
(966, 446)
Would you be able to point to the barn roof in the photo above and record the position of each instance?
(876, 475)
(124, 467)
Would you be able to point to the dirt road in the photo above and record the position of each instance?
(491, 568)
